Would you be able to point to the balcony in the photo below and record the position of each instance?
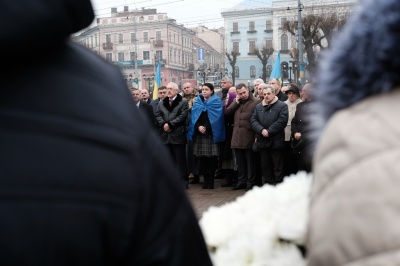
(107, 46)
(158, 43)
(251, 31)
(269, 30)
(235, 32)
(285, 51)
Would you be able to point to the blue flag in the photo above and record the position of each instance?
(276, 70)
(157, 81)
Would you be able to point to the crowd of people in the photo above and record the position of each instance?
(245, 137)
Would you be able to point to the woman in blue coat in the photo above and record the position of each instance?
(207, 129)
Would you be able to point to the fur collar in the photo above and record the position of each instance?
(175, 102)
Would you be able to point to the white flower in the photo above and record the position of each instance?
(262, 227)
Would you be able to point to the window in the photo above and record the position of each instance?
(284, 42)
(133, 37)
(268, 25)
(109, 57)
(146, 55)
(132, 56)
(283, 21)
(268, 43)
(120, 38)
(252, 47)
(108, 38)
(235, 27)
(121, 57)
(158, 35)
(159, 55)
(252, 26)
(236, 72)
(252, 71)
(145, 36)
(235, 47)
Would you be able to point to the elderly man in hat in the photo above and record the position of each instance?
(290, 163)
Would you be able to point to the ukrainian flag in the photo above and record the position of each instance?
(157, 81)
(276, 70)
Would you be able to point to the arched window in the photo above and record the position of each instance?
(284, 42)
(236, 71)
(252, 71)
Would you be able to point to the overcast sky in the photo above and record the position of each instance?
(190, 13)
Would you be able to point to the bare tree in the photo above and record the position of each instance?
(264, 54)
(232, 57)
(319, 26)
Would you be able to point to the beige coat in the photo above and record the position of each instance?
(355, 206)
(292, 111)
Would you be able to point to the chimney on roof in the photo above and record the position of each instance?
(113, 11)
(126, 8)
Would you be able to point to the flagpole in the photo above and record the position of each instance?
(300, 32)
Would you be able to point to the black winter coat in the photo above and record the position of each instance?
(175, 116)
(74, 187)
(273, 118)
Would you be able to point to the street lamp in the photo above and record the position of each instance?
(203, 74)
(290, 74)
(149, 78)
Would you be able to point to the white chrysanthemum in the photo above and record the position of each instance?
(249, 230)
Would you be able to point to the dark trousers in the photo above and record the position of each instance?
(246, 166)
(208, 166)
(257, 163)
(272, 166)
(193, 162)
(289, 160)
(178, 153)
(303, 162)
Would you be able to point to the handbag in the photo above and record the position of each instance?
(265, 143)
(297, 145)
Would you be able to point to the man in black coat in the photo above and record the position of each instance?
(143, 107)
(269, 120)
(74, 187)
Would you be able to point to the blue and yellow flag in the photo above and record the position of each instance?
(157, 81)
(276, 70)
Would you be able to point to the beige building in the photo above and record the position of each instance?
(136, 39)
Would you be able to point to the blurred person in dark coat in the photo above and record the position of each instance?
(74, 188)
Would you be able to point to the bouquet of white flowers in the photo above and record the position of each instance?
(265, 226)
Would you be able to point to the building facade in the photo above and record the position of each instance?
(251, 25)
(136, 40)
